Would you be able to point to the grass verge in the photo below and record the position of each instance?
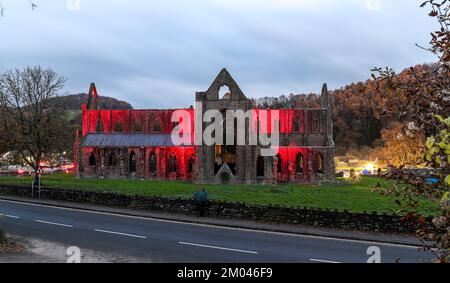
(343, 195)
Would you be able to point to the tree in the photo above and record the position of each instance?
(424, 97)
(29, 124)
(2, 9)
(403, 144)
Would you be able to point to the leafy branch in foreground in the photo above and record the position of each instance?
(423, 97)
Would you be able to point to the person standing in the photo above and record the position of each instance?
(201, 198)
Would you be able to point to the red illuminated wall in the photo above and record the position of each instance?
(288, 163)
(129, 121)
(286, 118)
(159, 121)
(152, 121)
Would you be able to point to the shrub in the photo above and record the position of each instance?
(2, 237)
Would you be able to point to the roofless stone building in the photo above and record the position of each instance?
(137, 144)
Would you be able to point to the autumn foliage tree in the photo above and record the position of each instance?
(423, 96)
(356, 123)
(403, 144)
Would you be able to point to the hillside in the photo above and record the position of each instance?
(362, 111)
(74, 102)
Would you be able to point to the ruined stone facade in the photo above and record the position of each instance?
(137, 143)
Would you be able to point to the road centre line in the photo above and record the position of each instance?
(218, 248)
(323, 261)
(119, 233)
(331, 238)
(54, 223)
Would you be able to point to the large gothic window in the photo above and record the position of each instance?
(152, 164)
(299, 163)
(132, 162)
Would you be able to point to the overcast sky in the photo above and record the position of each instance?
(157, 54)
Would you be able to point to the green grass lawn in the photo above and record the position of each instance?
(344, 195)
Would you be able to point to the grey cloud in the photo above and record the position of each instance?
(158, 53)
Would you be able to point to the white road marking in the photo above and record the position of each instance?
(9, 216)
(323, 261)
(119, 233)
(53, 223)
(12, 216)
(330, 238)
(218, 248)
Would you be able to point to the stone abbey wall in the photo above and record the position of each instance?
(134, 143)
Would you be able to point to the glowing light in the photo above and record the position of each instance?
(370, 167)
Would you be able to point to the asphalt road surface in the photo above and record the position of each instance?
(169, 241)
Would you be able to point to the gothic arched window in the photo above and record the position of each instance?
(299, 163)
(172, 163)
(191, 164)
(225, 92)
(152, 163)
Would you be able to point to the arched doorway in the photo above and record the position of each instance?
(133, 162)
(225, 178)
(260, 170)
(226, 152)
(112, 161)
(152, 164)
(92, 160)
(318, 163)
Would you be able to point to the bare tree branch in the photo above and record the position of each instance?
(2, 8)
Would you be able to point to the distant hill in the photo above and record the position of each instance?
(74, 102)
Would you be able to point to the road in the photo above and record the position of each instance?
(168, 241)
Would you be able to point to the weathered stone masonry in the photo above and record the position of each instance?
(136, 144)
